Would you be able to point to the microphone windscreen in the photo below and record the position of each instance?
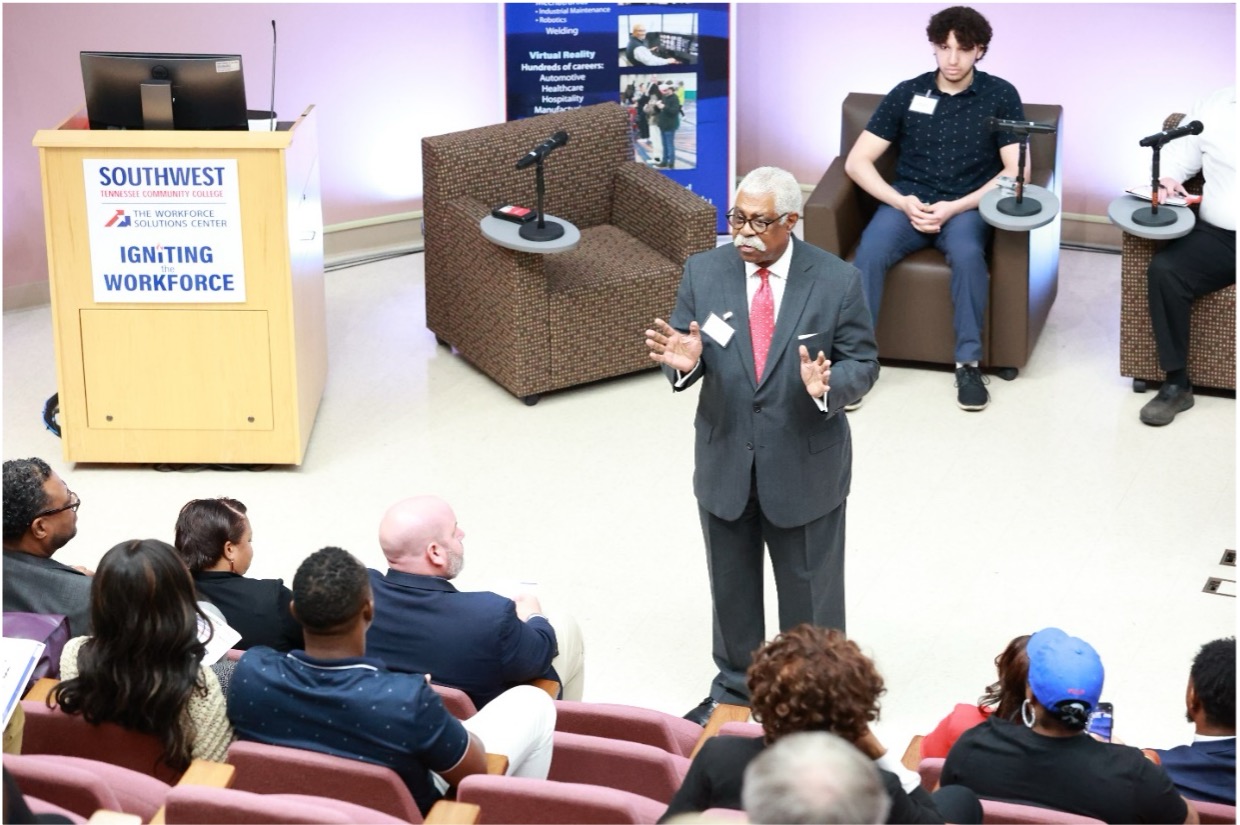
(1195, 127)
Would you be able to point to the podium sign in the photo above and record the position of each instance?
(164, 231)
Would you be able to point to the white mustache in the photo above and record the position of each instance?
(754, 243)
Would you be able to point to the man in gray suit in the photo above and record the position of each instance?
(40, 517)
(779, 334)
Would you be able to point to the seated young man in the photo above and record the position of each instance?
(330, 698)
(949, 159)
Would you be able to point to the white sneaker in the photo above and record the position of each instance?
(856, 405)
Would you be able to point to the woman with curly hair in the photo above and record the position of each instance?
(812, 679)
(1002, 700)
(214, 537)
(142, 669)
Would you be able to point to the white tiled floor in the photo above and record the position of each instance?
(1054, 506)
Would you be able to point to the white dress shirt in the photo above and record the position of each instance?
(1213, 153)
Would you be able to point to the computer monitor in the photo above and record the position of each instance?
(136, 90)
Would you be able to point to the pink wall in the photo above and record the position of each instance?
(381, 75)
(384, 75)
(798, 61)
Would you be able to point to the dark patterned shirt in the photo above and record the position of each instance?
(952, 152)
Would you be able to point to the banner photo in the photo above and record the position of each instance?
(165, 231)
(667, 63)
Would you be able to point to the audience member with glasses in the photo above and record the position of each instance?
(40, 517)
(779, 335)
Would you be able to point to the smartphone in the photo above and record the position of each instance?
(1102, 720)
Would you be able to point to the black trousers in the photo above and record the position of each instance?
(1201, 262)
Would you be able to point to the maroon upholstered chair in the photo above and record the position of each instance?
(1212, 336)
(520, 801)
(1010, 813)
(51, 731)
(456, 701)
(537, 322)
(615, 763)
(194, 804)
(1214, 813)
(84, 786)
(272, 769)
(633, 724)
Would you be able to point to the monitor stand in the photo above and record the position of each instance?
(157, 105)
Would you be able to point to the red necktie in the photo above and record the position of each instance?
(762, 322)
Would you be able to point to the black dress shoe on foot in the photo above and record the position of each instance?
(700, 715)
(1171, 399)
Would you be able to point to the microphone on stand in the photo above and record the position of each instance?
(273, 75)
(543, 149)
(1167, 135)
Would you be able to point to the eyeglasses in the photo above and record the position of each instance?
(737, 221)
(74, 502)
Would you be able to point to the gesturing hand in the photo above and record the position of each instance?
(679, 350)
(816, 373)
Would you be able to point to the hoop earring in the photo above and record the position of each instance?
(1027, 715)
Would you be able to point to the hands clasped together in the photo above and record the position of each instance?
(927, 217)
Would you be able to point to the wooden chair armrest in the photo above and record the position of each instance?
(550, 686)
(40, 690)
(201, 772)
(208, 773)
(720, 716)
(497, 764)
(106, 817)
(912, 754)
(444, 812)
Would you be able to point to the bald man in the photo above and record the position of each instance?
(479, 642)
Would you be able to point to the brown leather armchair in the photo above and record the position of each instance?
(916, 315)
(534, 322)
(1212, 336)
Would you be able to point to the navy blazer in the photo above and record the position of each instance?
(471, 641)
(801, 456)
(1204, 770)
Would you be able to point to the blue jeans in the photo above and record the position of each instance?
(890, 237)
(669, 148)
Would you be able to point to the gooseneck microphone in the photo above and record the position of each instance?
(273, 75)
(1194, 128)
(1019, 127)
(543, 149)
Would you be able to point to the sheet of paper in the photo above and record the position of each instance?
(19, 659)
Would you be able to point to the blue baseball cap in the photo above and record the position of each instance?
(1063, 668)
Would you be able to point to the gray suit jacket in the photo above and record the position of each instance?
(802, 456)
(33, 584)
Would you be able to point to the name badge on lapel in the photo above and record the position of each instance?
(924, 104)
(718, 329)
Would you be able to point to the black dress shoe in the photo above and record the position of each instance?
(700, 715)
(1171, 400)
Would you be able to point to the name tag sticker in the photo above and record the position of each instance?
(923, 104)
(718, 329)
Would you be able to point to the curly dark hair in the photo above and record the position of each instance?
(142, 665)
(329, 589)
(1006, 695)
(23, 494)
(970, 27)
(203, 527)
(811, 678)
(1214, 679)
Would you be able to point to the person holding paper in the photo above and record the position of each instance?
(948, 160)
(778, 333)
(1204, 260)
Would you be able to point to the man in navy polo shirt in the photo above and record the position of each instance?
(330, 698)
(949, 159)
(476, 641)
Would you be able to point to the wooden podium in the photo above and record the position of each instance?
(191, 382)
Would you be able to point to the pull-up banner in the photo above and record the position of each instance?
(668, 64)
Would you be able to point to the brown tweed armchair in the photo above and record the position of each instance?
(537, 323)
(1212, 340)
(915, 322)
